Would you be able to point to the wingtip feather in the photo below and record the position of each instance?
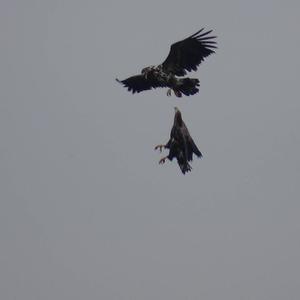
(196, 33)
(205, 33)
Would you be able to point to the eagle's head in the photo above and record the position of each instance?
(177, 117)
(147, 70)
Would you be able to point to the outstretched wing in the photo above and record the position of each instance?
(186, 55)
(139, 83)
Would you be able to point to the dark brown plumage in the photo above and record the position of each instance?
(184, 56)
(181, 145)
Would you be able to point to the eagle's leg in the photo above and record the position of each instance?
(159, 147)
(163, 160)
(177, 93)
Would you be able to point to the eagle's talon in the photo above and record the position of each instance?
(159, 147)
(178, 93)
(162, 161)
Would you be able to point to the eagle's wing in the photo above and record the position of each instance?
(191, 146)
(139, 83)
(186, 55)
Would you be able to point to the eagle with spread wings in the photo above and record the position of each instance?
(181, 145)
(184, 56)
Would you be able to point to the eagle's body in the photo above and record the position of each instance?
(181, 145)
(184, 56)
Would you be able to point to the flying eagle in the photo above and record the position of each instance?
(180, 144)
(184, 56)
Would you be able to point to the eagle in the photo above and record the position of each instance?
(184, 56)
(181, 145)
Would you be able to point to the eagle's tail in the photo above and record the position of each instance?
(184, 167)
(183, 162)
(188, 86)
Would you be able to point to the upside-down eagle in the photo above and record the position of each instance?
(180, 144)
(185, 55)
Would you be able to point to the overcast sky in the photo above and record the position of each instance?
(86, 211)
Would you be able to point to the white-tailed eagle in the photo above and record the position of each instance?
(181, 145)
(184, 56)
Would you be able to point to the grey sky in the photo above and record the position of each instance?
(86, 212)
